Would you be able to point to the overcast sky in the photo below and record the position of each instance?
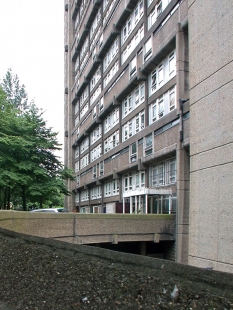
(32, 45)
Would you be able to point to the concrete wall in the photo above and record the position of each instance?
(211, 139)
(90, 228)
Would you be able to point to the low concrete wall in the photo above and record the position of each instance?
(90, 228)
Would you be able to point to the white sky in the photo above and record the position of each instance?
(32, 45)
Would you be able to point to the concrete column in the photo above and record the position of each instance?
(146, 203)
(182, 155)
(143, 248)
(131, 204)
(123, 205)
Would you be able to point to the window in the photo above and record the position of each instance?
(152, 18)
(133, 126)
(96, 192)
(84, 195)
(133, 100)
(172, 99)
(77, 152)
(154, 80)
(95, 78)
(84, 110)
(95, 23)
(133, 67)
(96, 134)
(164, 173)
(163, 105)
(147, 49)
(111, 73)
(101, 168)
(83, 96)
(159, 7)
(111, 53)
(84, 49)
(111, 142)
(77, 197)
(95, 94)
(107, 13)
(84, 161)
(162, 73)
(94, 171)
(134, 180)
(76, 120)
(76, 64)
(84, 145)
(133, 152)
(111, 120)
(172, 64)
(77, 166)
(148, 145)
(111, 188)
(76, 108)
(115, 187)
(132, 44)
(171, 171)
(93, 43)
(133, 20)
(78, 180)
(96, 152)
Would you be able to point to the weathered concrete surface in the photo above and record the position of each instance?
(211, 139)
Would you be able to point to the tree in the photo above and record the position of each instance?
(30, 172)
(16, 93)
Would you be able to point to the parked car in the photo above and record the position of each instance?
(50, 210)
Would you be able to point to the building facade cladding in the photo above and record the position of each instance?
(126, 69)
(211, 140)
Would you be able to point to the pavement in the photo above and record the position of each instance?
(3, 306)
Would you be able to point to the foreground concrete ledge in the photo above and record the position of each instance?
(199, 275)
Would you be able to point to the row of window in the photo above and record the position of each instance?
(111, 120)
(133, 100)
(160, 107)
(111, 53)
(156, 11)
(127, 28)
(133, 126)
(132, 21)
(95, 78)
(111, 142)
(163, 105)
(132, 44)
(111, 73)
(159, 76)
(161, 174)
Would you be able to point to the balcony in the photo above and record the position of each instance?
(74, 91)
(161, 47)
(74, 51)
(109, 35)
(90, 14)
(92, 65)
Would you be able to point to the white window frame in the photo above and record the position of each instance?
(147, 49)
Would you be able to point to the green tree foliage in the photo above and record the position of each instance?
(30, 172)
